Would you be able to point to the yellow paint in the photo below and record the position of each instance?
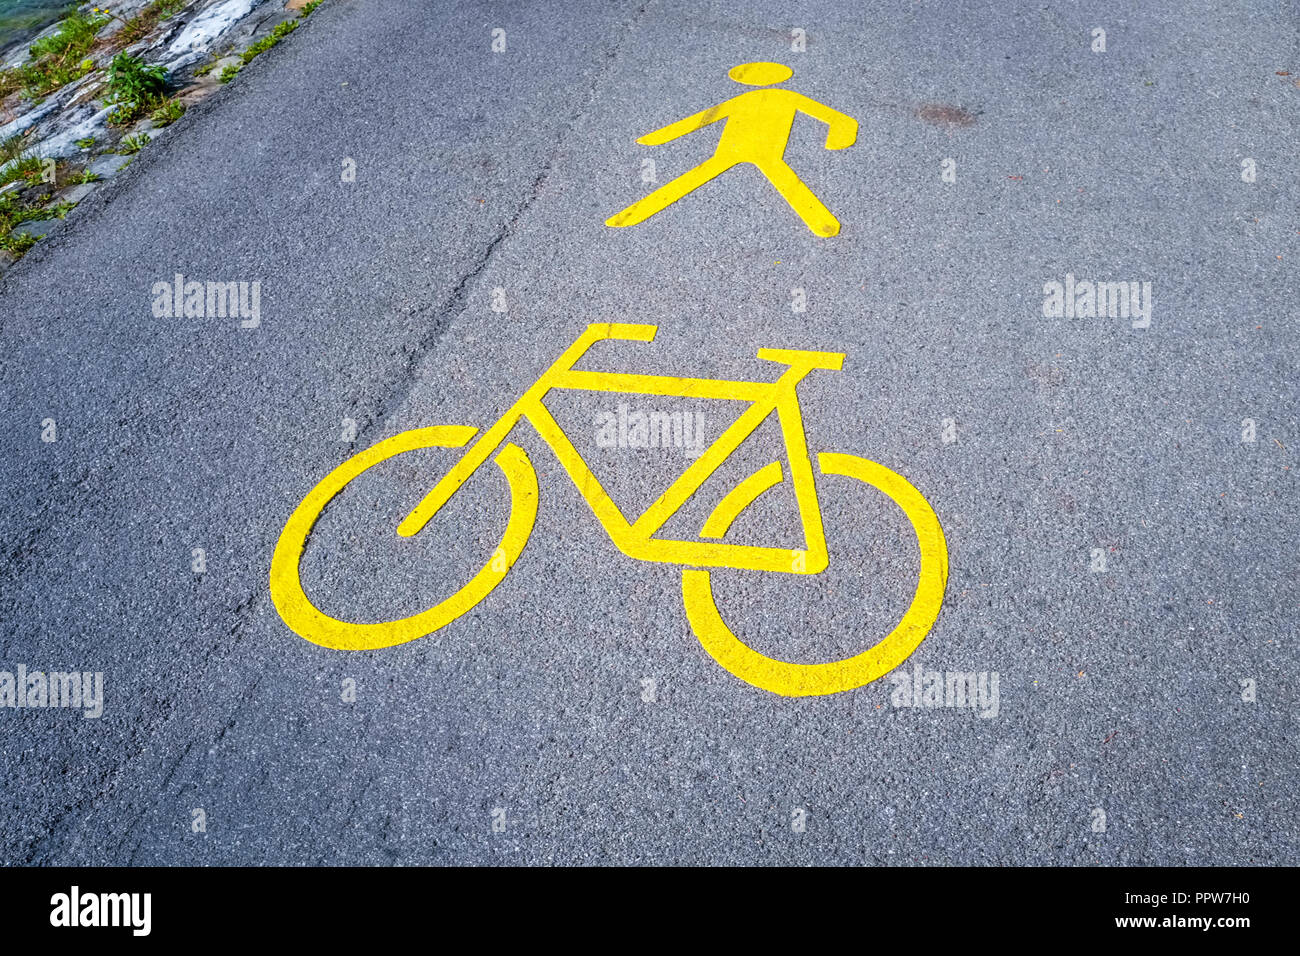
(757, 129)
(803, 680)
(739, 498)
(309, 622)
(637, 538)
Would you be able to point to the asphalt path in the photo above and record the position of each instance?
(573, 716)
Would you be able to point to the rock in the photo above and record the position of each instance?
(145, 126)
(33, 116)
(19, 53)
(76, 193)
(108, 165)
(200, 89)
(204, 30)
(64, 143)
(15, 55)
(40, 228)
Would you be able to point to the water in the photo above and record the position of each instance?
(20, 19)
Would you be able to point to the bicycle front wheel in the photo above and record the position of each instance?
(808, 680)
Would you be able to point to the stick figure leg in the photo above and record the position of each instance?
(801, 199)
(670, 192)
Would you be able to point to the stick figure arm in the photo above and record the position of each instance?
(688, 125)
(843, 131)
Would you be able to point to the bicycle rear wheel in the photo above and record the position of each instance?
(308, 621)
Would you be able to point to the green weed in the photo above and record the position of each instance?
(133, 144)
(166, 114)
(135, 87)
(268, 41)
(23, 167)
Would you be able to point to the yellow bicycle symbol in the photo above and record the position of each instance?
(636, 539)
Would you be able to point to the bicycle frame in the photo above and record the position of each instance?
(636, 538)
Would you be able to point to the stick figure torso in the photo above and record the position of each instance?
(757, 129)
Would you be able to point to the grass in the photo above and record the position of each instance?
(166, 114)
(60, 58)
(11, 148)
(24, 167)
(32, 170)
(57, 59)
(231, 70)
(73, 39)
(59, 210)
(133, 144)
(135, 87)
(208, 67)
(16, 163)
(14, 212)
(142, 24)
(268, 41)
(14, 244)
(261, 46)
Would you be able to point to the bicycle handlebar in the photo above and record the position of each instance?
(639, 332)
(802, 357)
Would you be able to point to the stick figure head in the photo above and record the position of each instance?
(760, 74)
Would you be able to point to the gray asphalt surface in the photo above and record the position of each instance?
(1120, 691)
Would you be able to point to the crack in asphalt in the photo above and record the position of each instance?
(458, 301)
(455, 305)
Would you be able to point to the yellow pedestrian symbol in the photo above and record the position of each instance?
(757, 130)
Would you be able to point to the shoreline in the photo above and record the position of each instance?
(26, 24)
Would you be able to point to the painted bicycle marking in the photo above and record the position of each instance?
(757, 130)
(637, 539)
